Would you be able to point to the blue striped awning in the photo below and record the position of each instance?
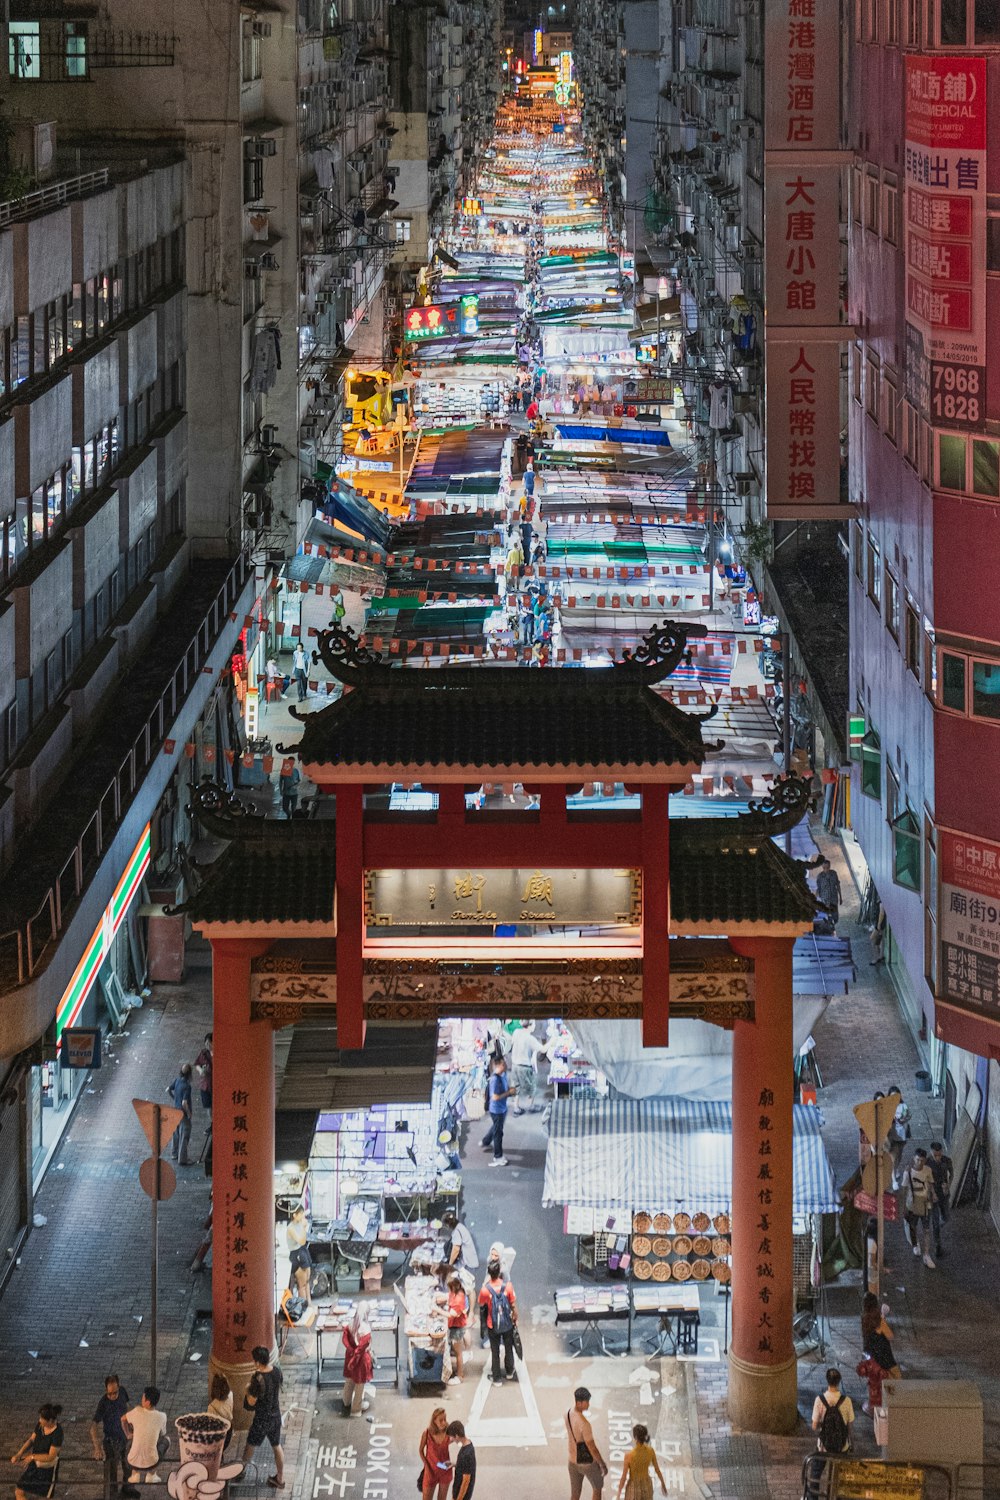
(667, 1154)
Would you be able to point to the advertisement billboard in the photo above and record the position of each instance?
(969, 923)
(944, 237)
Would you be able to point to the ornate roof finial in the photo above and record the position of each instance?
(222, 812)
(786, 804)
(660, 651)
(345, 656)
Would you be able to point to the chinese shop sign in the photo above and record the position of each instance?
(802, 314)
(969, 923)
(442, 320)
(442, 898)
(945, 237)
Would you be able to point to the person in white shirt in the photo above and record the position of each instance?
(831, 1436)
(144, 1426)
(461, 1246)
(524, 1051)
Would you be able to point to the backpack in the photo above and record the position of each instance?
(500, 1310)
(833, 1432)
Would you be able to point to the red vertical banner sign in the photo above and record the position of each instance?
(945, 237)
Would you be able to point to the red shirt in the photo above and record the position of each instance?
(487, 1300)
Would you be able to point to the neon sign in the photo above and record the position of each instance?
(441, 320)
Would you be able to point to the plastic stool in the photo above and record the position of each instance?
(688, 1341)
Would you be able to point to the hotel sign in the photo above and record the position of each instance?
(490, 898)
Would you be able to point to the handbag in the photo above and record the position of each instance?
(583, 1453)
(516, 1341)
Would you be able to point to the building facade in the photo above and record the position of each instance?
(924, 286)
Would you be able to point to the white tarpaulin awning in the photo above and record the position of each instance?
(667, 1154)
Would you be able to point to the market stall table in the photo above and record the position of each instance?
(383, 1319)
(592, 1306)
(678, 1308)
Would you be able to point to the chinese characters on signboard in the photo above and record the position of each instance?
(440, 898)
(442, 320)
(765, 1196)
(237, 1242)
(969, 923)
(802, 260)
(945, 237)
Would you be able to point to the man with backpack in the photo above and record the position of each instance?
(497, 1297)
(832, 1415)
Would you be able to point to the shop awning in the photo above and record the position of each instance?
(667, 1153)
(396, 1066)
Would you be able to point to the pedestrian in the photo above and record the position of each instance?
(876, 937)
(465, 1463)
(876, 1344)
(146, 1429)
(458, 1321)
(527, 533)
(299, 671)
(288, 783)
(529, 480)
(942, 1171)
(918, 1181)
(832, 1416)
(275, 680)
(203, 1064)
(263, 1398)
(498, 1091)
(107, 1436)
(828, 891)
(180, 1093)
(899, 1131)
(515, 558)
(436, 1458)
(497, 1296)
(300, 1260)
(44, 1444)
(585, 1458)
(636, 1481)
(462, 1253)
(526, 400)
(339, 611)
(220, 1403)
(531, 410)
(359, 1366)
(524, 1053)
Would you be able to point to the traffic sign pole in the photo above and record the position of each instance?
(879, 1200)
(153, 1267)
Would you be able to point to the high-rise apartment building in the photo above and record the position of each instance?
(924, 290)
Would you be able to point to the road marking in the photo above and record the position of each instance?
(523, 1431)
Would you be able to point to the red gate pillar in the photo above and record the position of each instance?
(350, 917)
(655, 916)
(763, 1384)
(242, 1170)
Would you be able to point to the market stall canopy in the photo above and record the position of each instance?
(666, 1154)
(395, 1067)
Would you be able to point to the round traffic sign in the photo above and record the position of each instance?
(147, 1179)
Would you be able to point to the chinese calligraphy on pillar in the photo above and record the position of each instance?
(802, 314)
(238, 1241)
(764, 1267)
(945, 237)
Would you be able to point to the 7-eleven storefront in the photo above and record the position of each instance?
(53, 1089)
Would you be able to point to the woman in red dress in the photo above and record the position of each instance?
(358, 1364)
(436, 1456)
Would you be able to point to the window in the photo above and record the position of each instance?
(892, 23)
(914, 22)
(890, 406)
(858, 549)
(930, 662)
(985, 467)
(891, 604)
(24, 49)
(871, 201)
(75, 38)
(857, 192)
(911, 431)
(912, 641)
(953, 682)
(872, 386)
(871, 765)
(890, 211)
(874, 579)
(993, 242)
(906, 850)
(968, 23)
(891, 790)
(856, 372)
(871, 20)
(986, 690)
(952, 21)
(951, 461)
(253, 179)
(402, 230)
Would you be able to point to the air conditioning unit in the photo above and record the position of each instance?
(744, 484)
(268, 435)
(262, 28)
(34, 148)
(265, 145)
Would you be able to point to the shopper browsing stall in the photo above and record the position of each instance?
(497, 1296)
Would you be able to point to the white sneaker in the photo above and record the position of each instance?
(929, 1262)
(499, 1161)
(916, 1251)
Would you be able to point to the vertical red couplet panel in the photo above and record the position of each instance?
(350, 917)
(655, 916)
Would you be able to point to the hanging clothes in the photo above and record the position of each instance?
(266, 361)
(720, 406)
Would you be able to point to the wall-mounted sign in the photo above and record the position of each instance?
(80, 1047)
(945, 237)
(442, 320)
(969, 923)
(472, 206)
(490, 898)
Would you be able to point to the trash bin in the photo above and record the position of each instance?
(923, 1081)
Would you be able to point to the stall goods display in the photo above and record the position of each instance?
(661, 1245)
(700, 1223)
(701, 1244)
(681, 1270)
(721, 1271)
(721, 1222)
(682, 1245)
(642, 1270)
(682, 1222)
(700, 1269)
(662, 1223)
(663, 1270)
(720, 1247)
(641, 1245)
(642, 1224)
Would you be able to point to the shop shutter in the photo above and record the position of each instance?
(11, 1166)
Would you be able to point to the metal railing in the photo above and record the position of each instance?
(23, 946)
(54, 195)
